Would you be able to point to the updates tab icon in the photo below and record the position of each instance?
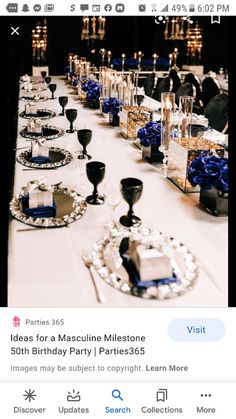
(12, 7)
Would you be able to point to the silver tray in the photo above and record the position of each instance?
(36, 98)
(40, 114)
(106, 259)
(59, 157)
(70, 207)
(49, 133)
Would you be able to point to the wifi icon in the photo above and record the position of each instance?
(165, 9)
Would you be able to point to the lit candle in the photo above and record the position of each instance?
(103, 55)
(154, 56)
(139, 59)
(70, 62)
(167, 119)
(175, 56)
(170, 59)
(100, 23)
(123, 61)
(108, 58)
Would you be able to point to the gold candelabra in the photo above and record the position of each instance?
(93, 28)
(39, 43)
(176, 28)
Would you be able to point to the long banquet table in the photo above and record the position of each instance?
(45, 265)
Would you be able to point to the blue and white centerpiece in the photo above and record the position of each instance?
(112, 106)
(210, 172)
(150, 140)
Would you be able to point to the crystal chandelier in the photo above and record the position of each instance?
(39, 43)
(93, 28)
(194, 44)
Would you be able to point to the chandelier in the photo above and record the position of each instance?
(177, 28)
(39, 43)
(93, 28)
(194, 44)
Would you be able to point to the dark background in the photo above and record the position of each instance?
(123, 35)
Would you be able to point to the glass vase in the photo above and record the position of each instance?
(114, 119)
(152, 154)
(185, 116)
(214, 201)
(167, 125)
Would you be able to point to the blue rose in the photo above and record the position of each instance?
(150, 134)
(209, 171)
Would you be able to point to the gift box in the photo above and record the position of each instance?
(182, 151)
(30, 109)
(39, 204)
(130, 116)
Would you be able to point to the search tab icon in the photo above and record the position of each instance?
(116, 394)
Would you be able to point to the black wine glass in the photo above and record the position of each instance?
(47, 80)
(43, 74)
(131, 190)
(84, 137)
(95, 173)
(63, 100)
(139, 99)
(71, 115)
(52, 87)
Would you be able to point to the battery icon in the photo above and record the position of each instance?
(191, 8)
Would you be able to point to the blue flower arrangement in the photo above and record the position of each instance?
(117, 62)
(90, 84)
(150, 134)
(209, 171)
(93, 90)
(111, 105)
(132, 63)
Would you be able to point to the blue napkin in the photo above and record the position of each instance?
(39, 212)
(133, 273)
(38, 159)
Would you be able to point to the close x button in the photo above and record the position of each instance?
(15, 31)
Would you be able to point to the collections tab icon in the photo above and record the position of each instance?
(162, 395)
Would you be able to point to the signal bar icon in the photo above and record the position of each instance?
(165, 9)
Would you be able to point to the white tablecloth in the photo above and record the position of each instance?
(45, 266)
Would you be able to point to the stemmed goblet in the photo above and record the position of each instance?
(95, 171)
(113, 199)
(84, 137)
(71, 115)
(139, 99)
(131, 190)
(43, 74)
(47, 80)
(63, 100)
(52, 87)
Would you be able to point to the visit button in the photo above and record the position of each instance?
(196, 330)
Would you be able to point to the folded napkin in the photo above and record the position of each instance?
(38, 159)
(39, 212)
(133, 273)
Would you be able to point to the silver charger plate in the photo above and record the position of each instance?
(36, 98)
(40, 114)
(108, 264)
(70, 207)
(59, 157)
(49, 133)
